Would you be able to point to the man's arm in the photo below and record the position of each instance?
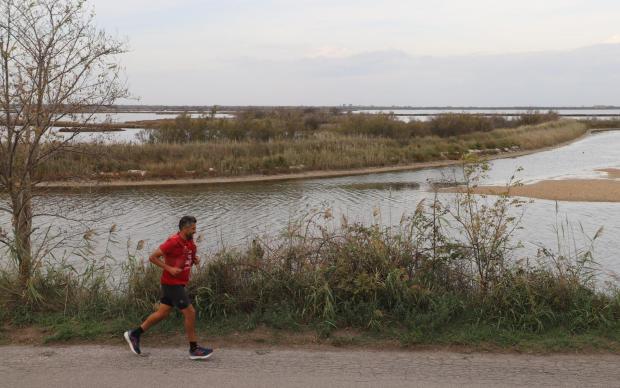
(155, 258)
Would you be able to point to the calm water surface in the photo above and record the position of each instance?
(426, 114)
(231, 215)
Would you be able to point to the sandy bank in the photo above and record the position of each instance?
(613, 173)
(575, 190)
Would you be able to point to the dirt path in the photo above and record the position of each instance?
(111, 366)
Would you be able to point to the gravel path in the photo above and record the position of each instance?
(110, 366)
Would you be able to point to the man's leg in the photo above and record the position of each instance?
(133, 336)
(190, 323)
(195, 352)
(162, 312)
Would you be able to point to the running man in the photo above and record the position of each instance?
(179, 253)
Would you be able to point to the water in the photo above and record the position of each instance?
(122, 117)
(124, 135)
(231, 215)
(426, 114)
(507, 112)
(130, 135)
(580, 159)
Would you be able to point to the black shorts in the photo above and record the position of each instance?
(175, 296)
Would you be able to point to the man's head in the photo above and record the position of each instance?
(187, 226)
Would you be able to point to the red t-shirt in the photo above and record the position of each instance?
(179, 253)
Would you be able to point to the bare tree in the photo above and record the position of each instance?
(55, 65)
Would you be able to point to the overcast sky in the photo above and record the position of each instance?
(389, 52)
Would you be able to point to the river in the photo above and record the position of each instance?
(230, 215)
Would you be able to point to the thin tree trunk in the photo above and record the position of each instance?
(22, 227)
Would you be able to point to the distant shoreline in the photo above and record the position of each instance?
(295, 176)
(207, 108)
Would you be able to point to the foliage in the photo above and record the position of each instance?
(448, 264)
(322, 150)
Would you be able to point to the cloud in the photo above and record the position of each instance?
(341, 27)
(121, 8)
(586, 76)
(614, 39)
(364, 51)
(329, 52)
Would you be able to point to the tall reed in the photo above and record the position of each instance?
(449, 262)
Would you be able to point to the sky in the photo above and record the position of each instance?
(389, 52)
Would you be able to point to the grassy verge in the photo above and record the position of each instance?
(446, 276)
(322, 150)
(276, 330)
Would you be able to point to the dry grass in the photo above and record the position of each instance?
(531, 136)
(321, 151)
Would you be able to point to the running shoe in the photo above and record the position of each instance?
(200, 353)
(133, 341)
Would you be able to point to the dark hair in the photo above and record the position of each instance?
(186, 221)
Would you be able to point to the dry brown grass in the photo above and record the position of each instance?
(321, 151)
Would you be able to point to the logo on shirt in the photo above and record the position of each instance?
(188, 257)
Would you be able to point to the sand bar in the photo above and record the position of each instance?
(574, 190)
(613, 173)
